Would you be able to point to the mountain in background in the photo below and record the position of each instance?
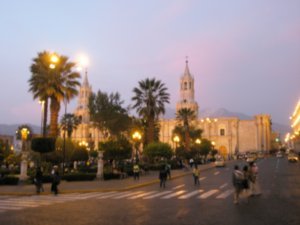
(170, 114)
(221, 112)
(11, 129)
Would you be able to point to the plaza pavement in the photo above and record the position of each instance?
(98, 185)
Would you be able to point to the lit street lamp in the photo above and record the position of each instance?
(176, 139)
(198, 141)
(24, 134)
(136, 137)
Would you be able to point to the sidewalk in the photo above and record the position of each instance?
(97, 185)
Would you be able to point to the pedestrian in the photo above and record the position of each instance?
(38, 180)
(253, 178)
(246, 180)
(196, 174)
(191, 162)
(55, 180)
(237, 181)
(136, 172)
(162, 176)
(168, 170)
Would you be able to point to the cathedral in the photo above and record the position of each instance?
(230, 135)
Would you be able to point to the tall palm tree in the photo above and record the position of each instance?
(38, 83)
(69, 122)
(149, 101)
(57, 83)
(185, 115)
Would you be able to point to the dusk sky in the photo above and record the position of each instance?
(243, 54)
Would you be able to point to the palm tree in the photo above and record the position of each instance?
(69, 123)
(57, 83)
(38, 83)
(149, 102)
(185, 115)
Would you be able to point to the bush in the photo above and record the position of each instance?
(158, 150)
(9, 180)
(79, 176)
(43, 144)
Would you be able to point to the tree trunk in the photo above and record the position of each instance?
(45, 116)
(187, 135)
(54, 110)
(150, 133)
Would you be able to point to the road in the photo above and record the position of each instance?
(180, 202)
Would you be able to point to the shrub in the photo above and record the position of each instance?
(158, 150)
(43, 144)
(79, 176)
(9, 180)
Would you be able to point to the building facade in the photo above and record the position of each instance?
(293, 138)
(230, 134)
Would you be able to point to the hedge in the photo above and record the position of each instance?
(43, 144)
(9, 180)
(79, 176)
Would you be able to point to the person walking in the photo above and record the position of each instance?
(253, 184)
(191, 162)
(246, 174)
(237, 181)
(38, 180)
(136, 172)
(168, 170)
(162, 177)
(55, 180)
(196, 174)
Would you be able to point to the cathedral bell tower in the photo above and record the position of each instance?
(187, 91)
(82, 109)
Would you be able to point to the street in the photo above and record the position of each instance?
(179, 203)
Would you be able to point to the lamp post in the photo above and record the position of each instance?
(24, 134)
(136, 137)
(176, 139)
(64, 142)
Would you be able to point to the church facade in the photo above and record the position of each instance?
(229, 134)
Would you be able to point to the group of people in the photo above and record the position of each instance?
(38, 180)
(245, 181)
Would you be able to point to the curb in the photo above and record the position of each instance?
(130, 187)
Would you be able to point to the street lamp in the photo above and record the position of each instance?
(198, 141)
(176, 139)
(136, 136)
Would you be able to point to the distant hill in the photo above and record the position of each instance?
(221, 112)
(11, 129)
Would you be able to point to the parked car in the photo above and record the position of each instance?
(292, 157)
(251, 157)
(220, 162)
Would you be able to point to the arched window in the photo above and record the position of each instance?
(185, 85)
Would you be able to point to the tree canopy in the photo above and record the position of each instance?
(108, 114)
